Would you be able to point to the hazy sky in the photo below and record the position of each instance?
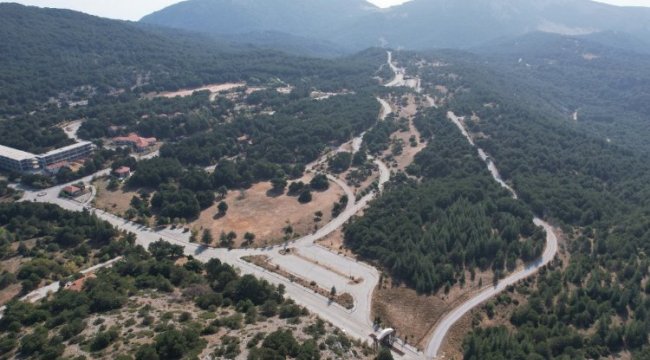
(135, 9)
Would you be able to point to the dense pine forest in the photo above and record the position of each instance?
(296, 134)
(454, 218)
(597, 190)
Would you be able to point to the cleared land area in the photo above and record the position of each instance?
(335, 243)
(214, 88)
(11, 265)
(408, 153)
(256, 211)
(414, 315)
(115, 202)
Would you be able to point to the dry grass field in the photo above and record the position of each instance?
(254, 210)
(414, 315)
(115, 202)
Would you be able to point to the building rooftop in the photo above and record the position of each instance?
(123, 170)
(136, 140)
(15, 154)
(66, 148)
(71, 189)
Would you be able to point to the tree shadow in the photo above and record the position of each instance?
(274, 193)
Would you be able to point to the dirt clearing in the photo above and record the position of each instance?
(214, 88)
(415, 315)
(253, 210)
(115, 202)
(334, 242)
(406, 139)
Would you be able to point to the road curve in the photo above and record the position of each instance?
(444, 325)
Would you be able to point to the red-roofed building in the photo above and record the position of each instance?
(122, 172)
(72, 190)
(138, 143)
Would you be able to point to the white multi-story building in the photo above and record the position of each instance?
(16, 160)
(68, 153)
(21, 161)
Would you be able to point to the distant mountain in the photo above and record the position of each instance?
(465, 23)
(620, 40)
(417, 24)
(309, 18)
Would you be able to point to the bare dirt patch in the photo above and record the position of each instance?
(12, 266)
(253, 210)
(405, 138)
(9, 293)
(214, 88)
(414, 315)
(115, 202)
(410, 314)
(335, 242)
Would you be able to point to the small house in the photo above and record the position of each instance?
(72, 191)
(122, 172)
(138, 143)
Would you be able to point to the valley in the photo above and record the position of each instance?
(326, 272)
(238, 180)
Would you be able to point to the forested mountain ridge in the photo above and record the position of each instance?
(70, 56)
(599, 88)
(455, 219)
(419, 24)
(65, 50)
(51, 59)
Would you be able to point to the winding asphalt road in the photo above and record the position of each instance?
(355, 322)
(444, 325)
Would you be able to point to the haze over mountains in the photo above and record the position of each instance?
(418, 24)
